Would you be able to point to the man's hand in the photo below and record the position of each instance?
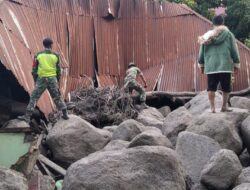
(236, 70)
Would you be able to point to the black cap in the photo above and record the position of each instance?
(47, 42)
(218, 20)
(131, 64)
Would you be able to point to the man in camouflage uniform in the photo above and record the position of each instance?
(131, 84)
(46, 73)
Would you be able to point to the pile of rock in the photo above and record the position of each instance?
(186, 149)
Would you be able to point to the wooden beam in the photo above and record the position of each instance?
(16, 130)
(51, 164)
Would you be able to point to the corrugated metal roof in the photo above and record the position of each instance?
(107, 81)
(103, 36)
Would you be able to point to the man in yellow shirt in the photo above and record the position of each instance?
(46, 73)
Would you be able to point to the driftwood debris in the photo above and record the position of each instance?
(103, 106)
(51, 164)
(245, 92)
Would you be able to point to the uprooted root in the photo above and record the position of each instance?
(103, 107)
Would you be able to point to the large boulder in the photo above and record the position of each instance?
(116, 145)
(240, 102)
(151, 117)
(165, 110)
(243, 186)
(111, 129)
(194, 152)
(200, 104)
(151, 138)
(222, 127)
(156, 130)
(139, 168)
(176, 122)
(244, 177)
(73, 139)
(16, 123)
(198, 187)
(221, 171)
(45, 182)
(12, 180)
(244, 158)
(245, 132)
(127, 130)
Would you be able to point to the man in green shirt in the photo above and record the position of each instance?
(218, 58)
(130, 82)
(46, 73)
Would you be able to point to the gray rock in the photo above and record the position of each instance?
(116, 145)
(152, 112)
(127, 130)
(147, 128)
(244, 158)
(194, 152)
(165, 110)
(73, 139)
(176, 122)
(221, 127)
(151, 117)
(221, 171)
(200, 104)
(111, 129)
(139, 168)
(16, 123)
(243, 186)
(198, 187)
(151, 138)
(244, 177)
(245, 132)
(240, 102)
(12, 180)
(47, 183)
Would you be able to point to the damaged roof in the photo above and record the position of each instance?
(96, 39)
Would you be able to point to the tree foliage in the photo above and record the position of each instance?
(201, 6)
(238, 18)
(238, 14)
(247, 42)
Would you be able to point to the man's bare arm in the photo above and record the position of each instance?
(143, 79)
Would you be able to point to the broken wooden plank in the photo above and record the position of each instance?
(16, 130)
(51, 164)
(46, 169)
(26, 163)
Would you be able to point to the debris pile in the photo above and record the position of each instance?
(184, 149)
(103, 107)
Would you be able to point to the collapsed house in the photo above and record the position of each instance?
(96, 39)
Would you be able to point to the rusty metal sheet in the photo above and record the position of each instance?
(108, 9)
(81, 54)
(153, 34)
(74, 83)
(107, 81)
(152, 77)
(107, 47)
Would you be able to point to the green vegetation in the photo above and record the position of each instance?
(247, 42)
(237, 19)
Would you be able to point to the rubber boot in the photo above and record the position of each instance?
(65, 114)
(25, 117)
(144, 105)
